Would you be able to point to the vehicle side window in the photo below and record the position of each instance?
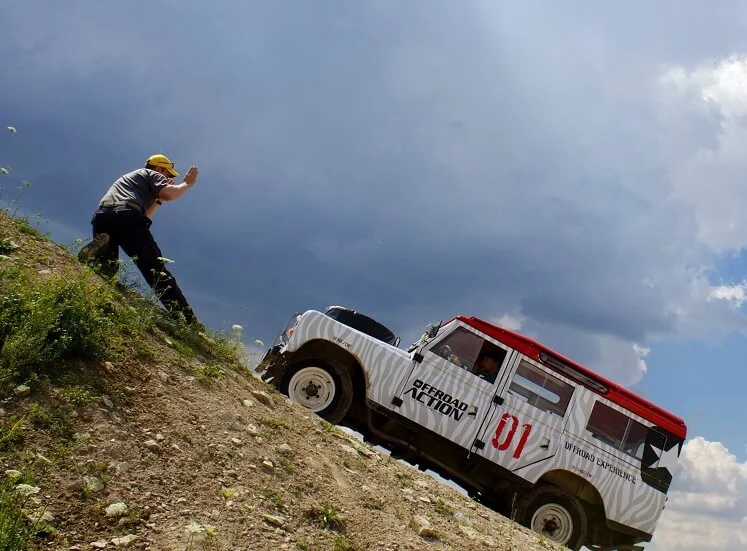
(472, 353)
(616, 429)
(540, 389)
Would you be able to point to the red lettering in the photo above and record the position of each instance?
(502, 446)
(527, 428)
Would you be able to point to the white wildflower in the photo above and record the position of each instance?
(195, 528)
(12, 129)
(165, 260)
(4, 170)
(259, 343)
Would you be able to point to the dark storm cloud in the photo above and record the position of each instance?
(411, 162)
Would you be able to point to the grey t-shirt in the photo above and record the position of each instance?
(140, 186)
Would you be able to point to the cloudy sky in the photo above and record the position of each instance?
(571, 169)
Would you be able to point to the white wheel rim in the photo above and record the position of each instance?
(313, 388)
(553, 521)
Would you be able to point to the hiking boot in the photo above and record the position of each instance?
(90, 252)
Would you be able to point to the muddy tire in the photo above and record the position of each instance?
(321, 387)
(558, 516)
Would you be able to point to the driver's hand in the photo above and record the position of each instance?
(455, 360)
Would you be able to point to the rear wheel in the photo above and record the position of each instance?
(323, 388)
(558, 516)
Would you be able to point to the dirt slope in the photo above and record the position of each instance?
(205, 456)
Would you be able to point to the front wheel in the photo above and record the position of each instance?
(558, 516)
(323, 388)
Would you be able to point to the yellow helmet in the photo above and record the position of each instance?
(162, 161)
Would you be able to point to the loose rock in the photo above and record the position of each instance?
(422, 527)
(474, 535)
(22, 391)
(252, 430)
(350, 449)
(116, 510)
(164, 377)
(152, 445)
(92, 484)
(99, 544)
(275, 521)
(285, 448)
(263, 397)
(124, 541)
(248, 403)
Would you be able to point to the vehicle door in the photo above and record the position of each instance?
(527, 425)
(442, 393)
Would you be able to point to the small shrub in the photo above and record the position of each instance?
(345, 544)
(210, 372)
(44, 322)
(11, 433)
(273, 497)
(442, 509)
(15, 534)
(405, 479)
(39, 416)
(77, 395)
(326, 516)
(24, 226)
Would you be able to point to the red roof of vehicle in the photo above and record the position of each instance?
(617, 394)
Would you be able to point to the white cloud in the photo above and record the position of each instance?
(736, 294)
(710, 103)
(512, 322)
(707, 507)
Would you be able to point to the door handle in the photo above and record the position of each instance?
(472, 412)
(545, 444)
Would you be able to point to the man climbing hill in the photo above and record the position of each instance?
(123, 219)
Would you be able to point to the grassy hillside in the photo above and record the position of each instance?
(120, 428)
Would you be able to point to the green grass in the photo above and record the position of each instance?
(77, 395)
(11, 433)
(74, 315)
(442, 509)
(405, 479)
(49, 320)
(274, 423)
(15, 534)
(343, 543)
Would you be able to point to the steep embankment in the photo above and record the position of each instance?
(121, 429)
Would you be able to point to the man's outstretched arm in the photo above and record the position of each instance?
(174, 191)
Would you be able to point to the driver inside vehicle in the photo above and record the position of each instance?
(488, 364)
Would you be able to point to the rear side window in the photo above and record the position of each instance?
(540, 389)
(616, 429)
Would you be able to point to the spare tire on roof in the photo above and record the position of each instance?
(362, 323)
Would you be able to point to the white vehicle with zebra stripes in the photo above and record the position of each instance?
(523, 429)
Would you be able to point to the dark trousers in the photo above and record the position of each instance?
(131, 231)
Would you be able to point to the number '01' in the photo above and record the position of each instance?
(526, 428)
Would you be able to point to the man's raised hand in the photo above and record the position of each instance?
(191, 176)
